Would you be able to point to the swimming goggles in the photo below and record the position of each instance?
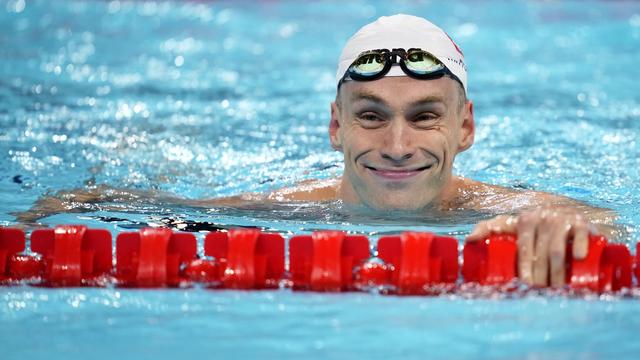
(416, 63)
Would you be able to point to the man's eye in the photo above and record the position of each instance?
(424, 117)
(371, 117)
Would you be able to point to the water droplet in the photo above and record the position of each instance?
(16, 6)
(179, 60)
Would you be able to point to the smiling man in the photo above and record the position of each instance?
(400, 117)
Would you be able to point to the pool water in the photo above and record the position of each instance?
(209, 99)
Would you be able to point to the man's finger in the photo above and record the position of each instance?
(499, 224)
(557, 253)
(580, 240)
(526, 236)
(480, 232)
(541, 254)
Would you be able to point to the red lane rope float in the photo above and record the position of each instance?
(615, 268)
(152, 257)
(242, 259)
(419, 261)
(72, 255)
(326, 260)
(12, 242)
(409, 264)
(492, 261)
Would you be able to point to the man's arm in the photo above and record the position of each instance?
(106, 198)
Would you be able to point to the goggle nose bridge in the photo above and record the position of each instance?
(385, 54)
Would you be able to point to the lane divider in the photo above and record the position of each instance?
(71, 255)
(244, 259)
(412, 263)
(326, 260)
(420, 261)
(152, 257)
(12, 242)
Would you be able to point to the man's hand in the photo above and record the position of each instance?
(72, 201)
(542, 238)
(82, 200)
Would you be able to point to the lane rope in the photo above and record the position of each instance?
(410, 263)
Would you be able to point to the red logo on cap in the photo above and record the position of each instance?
(454, 44)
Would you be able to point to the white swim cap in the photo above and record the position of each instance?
(404, 31)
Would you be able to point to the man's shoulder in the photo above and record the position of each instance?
(483, 196)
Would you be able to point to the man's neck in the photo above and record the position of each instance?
(450, 194)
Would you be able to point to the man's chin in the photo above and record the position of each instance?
(399, 203)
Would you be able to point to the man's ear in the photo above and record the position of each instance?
(468, 129)
(334, 128)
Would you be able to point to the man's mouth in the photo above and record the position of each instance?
(397, 173)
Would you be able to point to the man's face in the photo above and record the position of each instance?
(399, 137)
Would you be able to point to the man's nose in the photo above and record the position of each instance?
(398, 145)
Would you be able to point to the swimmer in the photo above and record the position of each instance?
(400, 117)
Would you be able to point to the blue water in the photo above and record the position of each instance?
(213, 99)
